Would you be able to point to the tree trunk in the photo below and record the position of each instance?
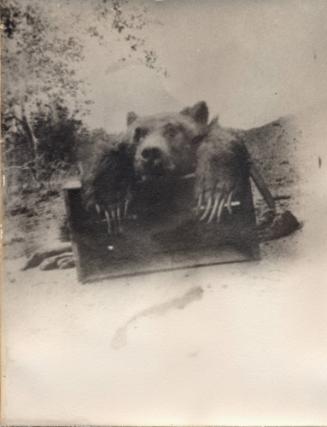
(34, 146)
(33, 142)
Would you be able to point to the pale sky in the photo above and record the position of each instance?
(252, 61)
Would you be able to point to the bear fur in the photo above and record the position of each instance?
(167, 145)
(222, 167)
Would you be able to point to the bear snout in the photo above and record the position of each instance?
(153, 154)
(152, 161)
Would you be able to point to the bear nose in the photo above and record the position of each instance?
(151, 153)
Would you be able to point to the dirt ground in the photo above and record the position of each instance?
(231, 344)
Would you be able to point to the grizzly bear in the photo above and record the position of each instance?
(166, 146)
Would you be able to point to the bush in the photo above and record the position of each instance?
(57, 132)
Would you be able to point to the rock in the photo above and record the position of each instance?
(39, 256)
(266, 218)
(67, 262)
(53, 262)
(282, 225)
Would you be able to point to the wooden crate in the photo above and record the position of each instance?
(161, 233)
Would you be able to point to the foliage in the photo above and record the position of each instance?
(129, 19)
(45, 99)
(59, 133)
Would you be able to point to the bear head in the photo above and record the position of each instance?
(166, 144)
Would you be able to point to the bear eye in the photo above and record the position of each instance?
(171, 130)
(140, 133)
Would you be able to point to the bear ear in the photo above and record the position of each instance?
(131, 117)
(199, 112)
(213, 123)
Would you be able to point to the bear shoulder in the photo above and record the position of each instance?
(221, 144)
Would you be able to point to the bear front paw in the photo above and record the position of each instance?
(222, 169)
(211, 203)
(115, 215)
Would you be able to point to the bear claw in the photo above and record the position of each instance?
(206, 210)
(217, 205)
(214, 206)
(114, 216)
(108, 219)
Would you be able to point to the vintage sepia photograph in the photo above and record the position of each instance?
(164, 206)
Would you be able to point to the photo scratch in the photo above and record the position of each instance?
(120, 338)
